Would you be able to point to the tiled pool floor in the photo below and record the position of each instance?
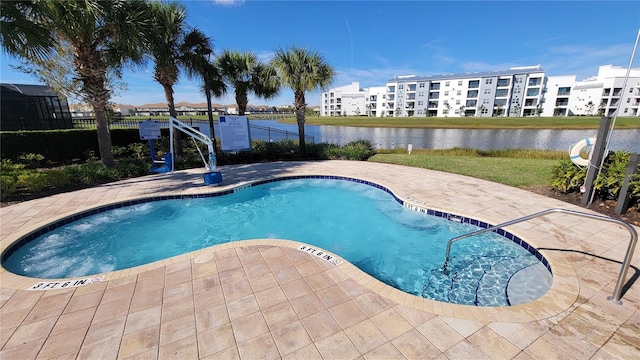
(265, 299)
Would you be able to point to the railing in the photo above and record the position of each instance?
(258, 132)
(268, 134)
(617, 292)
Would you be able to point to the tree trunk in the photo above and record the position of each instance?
(104, 137)
(242, 100)
(177, 135)
(299, 107)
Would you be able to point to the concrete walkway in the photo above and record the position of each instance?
(264, 299)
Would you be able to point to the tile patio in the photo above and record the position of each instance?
(264, 299)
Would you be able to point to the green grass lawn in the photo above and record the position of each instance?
(518, 172)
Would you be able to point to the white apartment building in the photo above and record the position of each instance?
(602, 94)
(518, 91)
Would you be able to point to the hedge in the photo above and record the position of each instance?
(62, 145)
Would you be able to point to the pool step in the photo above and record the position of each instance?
(486, 282)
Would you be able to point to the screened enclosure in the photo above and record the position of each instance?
(32, 107)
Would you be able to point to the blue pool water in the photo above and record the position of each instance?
(358, 222)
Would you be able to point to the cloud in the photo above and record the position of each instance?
(583, 60)
(471, 66)
(228, 2)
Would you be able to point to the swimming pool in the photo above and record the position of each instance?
(366, 225)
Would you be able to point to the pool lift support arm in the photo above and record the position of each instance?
(212, 177)
(626, 263)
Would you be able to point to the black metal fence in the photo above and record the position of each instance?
(258, 132)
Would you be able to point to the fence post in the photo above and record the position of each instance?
(625, 197)
(596, 159)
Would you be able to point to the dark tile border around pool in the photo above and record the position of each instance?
(451, 217)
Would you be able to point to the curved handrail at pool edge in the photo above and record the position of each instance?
(617, 292)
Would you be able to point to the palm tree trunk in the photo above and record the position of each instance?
(212, 132)
(177, 136)
(299, 107)
(98, 96)
(242, 100)
(104, 137)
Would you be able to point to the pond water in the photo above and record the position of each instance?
(482, 139)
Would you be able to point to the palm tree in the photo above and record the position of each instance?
(103, 34)
(245, 73)
(302, 71)
(20, 35)
(164, 46)
(196, 51)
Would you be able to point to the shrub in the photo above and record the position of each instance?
(567, 177)
(356, 150)
(57, 178)
(33, 181)
(31, 159)
(8, 185)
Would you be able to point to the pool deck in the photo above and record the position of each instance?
(265, 299)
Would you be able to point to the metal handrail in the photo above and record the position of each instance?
(617, 292)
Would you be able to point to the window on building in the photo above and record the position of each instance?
(459, 92)
(533, 92)
(459, 82)
(485, 101)
(401, 86)
(446, 102)
(421, 94)
(446, 93)
(471, 103)
(502, 92)
(503, 82)
(457, 102)
(446, 84)
(500, 102)
(517, 90)
(474, 84)
(420, 102)
(487, 91)
(488, 81)
(485, 111)
(421, 84)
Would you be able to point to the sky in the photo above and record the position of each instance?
(370, 42)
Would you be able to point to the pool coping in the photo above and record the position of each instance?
(561, 296)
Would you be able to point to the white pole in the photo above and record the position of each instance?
(173, 160)
(615, 114)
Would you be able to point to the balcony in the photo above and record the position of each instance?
(562, 102)
(535, 82)
(474, 84)
(434, 86)
(503, 82)
(434, 95)
(606, 92)
(564, 91)
(617, 91)
(472, 93)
